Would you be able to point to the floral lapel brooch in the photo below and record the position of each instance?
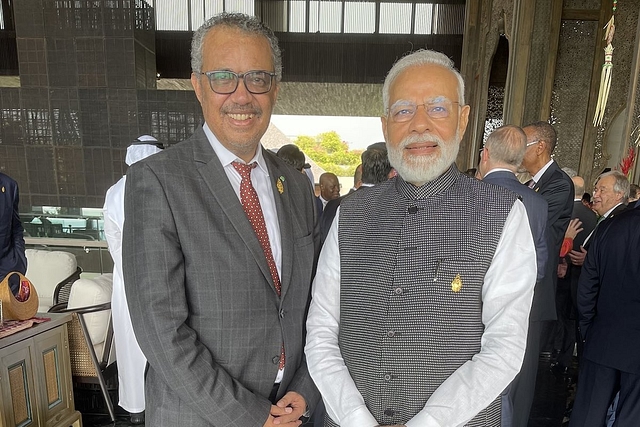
(280, 185)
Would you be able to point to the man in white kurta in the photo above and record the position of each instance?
(131, 361)
(421, 299)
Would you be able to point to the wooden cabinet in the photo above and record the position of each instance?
(35, 377)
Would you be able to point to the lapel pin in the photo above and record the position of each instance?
(279, 184)
(456, 283)
(3, 188)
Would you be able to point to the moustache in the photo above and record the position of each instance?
(241, 109)
(417, 139)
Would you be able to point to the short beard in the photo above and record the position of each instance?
(419, 170)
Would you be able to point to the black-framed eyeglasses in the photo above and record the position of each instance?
(225, 82)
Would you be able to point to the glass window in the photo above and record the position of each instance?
(325, 16)
(360, 17)
(424, 19)
(242, 6)
(172, 15)
(395, 18)
(297, 16)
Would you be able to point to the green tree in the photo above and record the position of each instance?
(330, 153)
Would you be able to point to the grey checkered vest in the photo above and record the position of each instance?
(413, 261)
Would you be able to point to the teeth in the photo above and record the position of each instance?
(241, 116)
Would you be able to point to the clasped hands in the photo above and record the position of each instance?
(287, 411)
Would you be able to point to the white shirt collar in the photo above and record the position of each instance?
(226, 157)
(541, 172)
(607, 213)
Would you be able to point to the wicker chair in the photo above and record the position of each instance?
(91, 350)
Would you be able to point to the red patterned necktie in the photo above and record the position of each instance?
(251, 207)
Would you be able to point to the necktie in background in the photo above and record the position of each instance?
(251, 207)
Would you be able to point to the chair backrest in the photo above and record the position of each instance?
(88, 292)
(46, 269)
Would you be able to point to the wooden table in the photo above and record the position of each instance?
(35, 376)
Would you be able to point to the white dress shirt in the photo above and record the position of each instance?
(262, 184)
(506, 296)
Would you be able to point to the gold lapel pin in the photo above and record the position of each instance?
(456, 283)
(3, 188)
(279, 185)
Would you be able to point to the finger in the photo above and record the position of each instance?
(277, 411)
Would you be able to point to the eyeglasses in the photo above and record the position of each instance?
(404, 111)
(532, 142)
(225, 82)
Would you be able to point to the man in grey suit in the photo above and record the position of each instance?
(499, 160)
(219, 250)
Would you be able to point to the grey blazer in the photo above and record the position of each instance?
(202, 302)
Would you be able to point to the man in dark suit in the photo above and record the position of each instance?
(12, 255)
(568, 285)
(375, 169)
(609, 307)
(499, 160)
(219, 250)
(557, 189)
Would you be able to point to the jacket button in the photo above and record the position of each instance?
(398, 291)
(276, 360)
(389, 412)
(391, 334)
(387, 377)
(281, 313)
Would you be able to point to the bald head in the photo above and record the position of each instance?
(504, 148)
(329, 186)
(578, 184)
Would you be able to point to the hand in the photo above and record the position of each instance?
(575, 226)
(289, 408)
(278, 416)
(577, 257)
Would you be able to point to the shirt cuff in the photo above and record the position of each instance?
(361, 417)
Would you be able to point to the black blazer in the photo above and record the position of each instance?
(12, 255)
(609, 294)
(556, 188)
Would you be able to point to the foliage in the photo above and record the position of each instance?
(330, 153)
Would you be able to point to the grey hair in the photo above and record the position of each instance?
(420, 57)
(620, 186)
(249, 24)
(507, 145)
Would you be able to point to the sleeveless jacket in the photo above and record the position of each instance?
(413, 261)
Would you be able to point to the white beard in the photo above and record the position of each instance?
(418, 170)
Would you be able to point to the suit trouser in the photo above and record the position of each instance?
(597, 387)
(523, 387)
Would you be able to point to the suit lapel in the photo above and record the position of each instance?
(546, 176)
(214, 176)
(285, 222)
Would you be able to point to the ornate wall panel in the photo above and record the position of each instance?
(538, 61)
(569, 99)
(582, 4)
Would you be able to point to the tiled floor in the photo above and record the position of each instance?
(552, 394)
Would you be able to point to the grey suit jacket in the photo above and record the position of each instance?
(537, 211)
(202, 302)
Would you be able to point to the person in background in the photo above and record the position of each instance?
(131, 361)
